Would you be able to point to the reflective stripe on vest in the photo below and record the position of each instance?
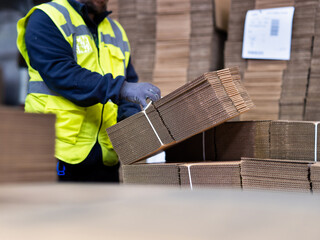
(40, 87)
(69, 29)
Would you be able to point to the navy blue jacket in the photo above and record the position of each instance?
(52, 56)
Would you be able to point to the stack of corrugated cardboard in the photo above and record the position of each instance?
(274, 174)
(197, 106)
(315, 177)
(144, 58)
(172, 44)
(313, 100)
(190, 175)
(206, 43)
(293, 140)
(26, 147)
(211, 174)
(207, 101)
(295, 78)
(277, 87)
(276, 155)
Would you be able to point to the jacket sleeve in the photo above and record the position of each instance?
(51, 55)
(126, 108)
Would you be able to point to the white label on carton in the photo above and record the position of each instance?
(267, 34)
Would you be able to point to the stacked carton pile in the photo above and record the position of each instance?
(205, 42)
(295, 78)
(193, 175)
(277, 87)
(293, 147)
(172, 44)
(315, 177)
(276, 155)
(144, 58)
(313, 100)
(209, 100)
(26, 147)
(273, 174)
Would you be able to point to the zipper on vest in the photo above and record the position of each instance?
(101, 121)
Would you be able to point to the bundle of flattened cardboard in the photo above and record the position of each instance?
(279, 88)
(194, 175)
(275, 155)
(209, 100)
(26, 146)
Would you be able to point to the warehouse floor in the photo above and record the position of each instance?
(101, 211)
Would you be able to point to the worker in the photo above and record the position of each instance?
(80, 70)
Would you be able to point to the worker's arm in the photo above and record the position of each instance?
(52, 56)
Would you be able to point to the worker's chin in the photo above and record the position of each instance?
(96, 8)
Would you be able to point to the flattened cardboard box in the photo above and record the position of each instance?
(194, 175)
(208, 101)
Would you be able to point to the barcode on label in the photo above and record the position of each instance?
(274, 27)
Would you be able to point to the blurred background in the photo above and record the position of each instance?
(13, 71)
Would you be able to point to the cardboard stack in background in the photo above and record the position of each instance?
(312, 111)
(209, 100)
(173, 29)
(26, 147)
(296, 76)
(206, 43)
(274, 174)
(113, 5)
(144, 58)
(278, 88)
(172, 42)
(315, 177)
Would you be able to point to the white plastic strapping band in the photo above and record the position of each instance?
(316, 142)
(154, 130)
(190, 180)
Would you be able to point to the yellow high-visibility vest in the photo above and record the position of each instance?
(78, 128)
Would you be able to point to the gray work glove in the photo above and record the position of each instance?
(139, 92)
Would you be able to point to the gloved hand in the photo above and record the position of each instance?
(139, 92)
